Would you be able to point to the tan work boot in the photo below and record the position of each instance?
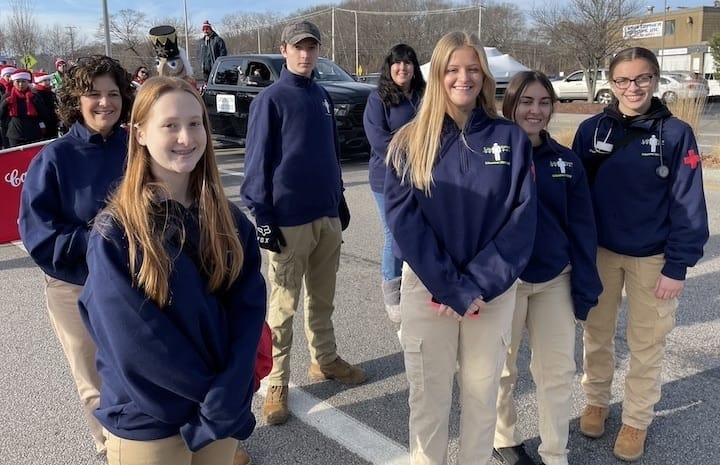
(241, 457)
(630, 443)
(275, 408)
(339, 370)
(592, 421)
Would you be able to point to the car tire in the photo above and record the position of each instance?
(669, 97)
(604, 97)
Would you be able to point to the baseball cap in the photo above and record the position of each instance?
(294, 33)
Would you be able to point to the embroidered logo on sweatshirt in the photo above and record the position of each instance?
(653, 143)
(326, 105)
(497, 151)
(563, 168)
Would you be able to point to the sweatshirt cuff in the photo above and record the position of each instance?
(674, 271)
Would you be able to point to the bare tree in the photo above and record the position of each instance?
(503, 26)
(591, 30)
(22, 31)
(129, 30)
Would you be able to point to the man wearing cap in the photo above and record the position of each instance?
(211, 47)
(57, 76)
(293, 187)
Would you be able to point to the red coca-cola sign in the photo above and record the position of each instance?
(13, 169)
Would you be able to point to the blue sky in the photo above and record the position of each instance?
(87, 14)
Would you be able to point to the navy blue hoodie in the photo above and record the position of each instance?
(67, 184)
(565, 226)
(381, 122)
(473, 235)
(184, 369)
(292, 171)
(637, 212)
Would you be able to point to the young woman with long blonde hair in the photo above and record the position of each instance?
(460, 203)
(174, 299)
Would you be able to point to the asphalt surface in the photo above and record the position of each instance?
(42, 423)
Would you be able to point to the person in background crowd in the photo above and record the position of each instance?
(211, 47)
(67, 183)
(559, 285)
(140, 76)
(59, 74)
(177, 333)
(22, 111)
(293, 187)
(646, 182)
(461, 205)
(5, 86)
(43, 87)
(389, 107)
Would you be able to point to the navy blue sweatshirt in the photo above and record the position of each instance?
(67, 183)
(637, 212)
(292, 171)
(565, 225)
(381, 122)
(184, 369)
(473, 235)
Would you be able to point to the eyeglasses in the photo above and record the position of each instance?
(641, 81)
(142, 71)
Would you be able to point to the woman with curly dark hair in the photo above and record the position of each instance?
(67, 183)
(393, 104)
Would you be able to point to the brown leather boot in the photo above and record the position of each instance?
(339, 370)
(630, 443)
(241, 457)
(592, 421)
(275, 408)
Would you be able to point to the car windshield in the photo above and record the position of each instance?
(326, 70)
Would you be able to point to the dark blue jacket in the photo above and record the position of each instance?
(473, 235)
(637, 212)
(381, 122)
(292, 171)
(565, 225)
(184, 369)
(67, 183)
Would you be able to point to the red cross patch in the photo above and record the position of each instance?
(692, 159)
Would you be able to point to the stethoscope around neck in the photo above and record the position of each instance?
(606, 148)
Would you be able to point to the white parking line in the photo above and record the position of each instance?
(351, 434)
(231, 172)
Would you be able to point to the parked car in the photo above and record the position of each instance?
(574, 87)
(370, 78)
(713, 85)
(681, 84)
(236, 79)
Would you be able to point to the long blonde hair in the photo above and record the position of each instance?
(413, 150)
(135, 202)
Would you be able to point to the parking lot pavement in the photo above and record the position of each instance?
(42, 422)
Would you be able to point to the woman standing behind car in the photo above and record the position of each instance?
(389, 107)
(646, 182)
(67, 183)
(460, 203)
(559, 285)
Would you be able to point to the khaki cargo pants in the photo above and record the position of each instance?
(649, 321)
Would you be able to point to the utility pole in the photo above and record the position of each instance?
(71, 33)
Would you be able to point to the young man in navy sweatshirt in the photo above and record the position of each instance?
(293, 187)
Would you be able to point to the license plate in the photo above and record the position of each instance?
(225, 103)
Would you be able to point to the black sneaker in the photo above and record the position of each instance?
(515, 455)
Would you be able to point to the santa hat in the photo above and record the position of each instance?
(41, 78)
(59, 62)
(6, 71)
(206, 26)
(21, 74)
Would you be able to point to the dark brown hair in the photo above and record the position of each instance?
(635, 53)
(517, 86)
(78, 81)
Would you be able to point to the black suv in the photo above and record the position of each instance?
(236, 79)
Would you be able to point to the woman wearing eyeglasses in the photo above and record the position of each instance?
(645, 176)
(141, 75)
(67, 183)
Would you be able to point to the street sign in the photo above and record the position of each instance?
(28, 61)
